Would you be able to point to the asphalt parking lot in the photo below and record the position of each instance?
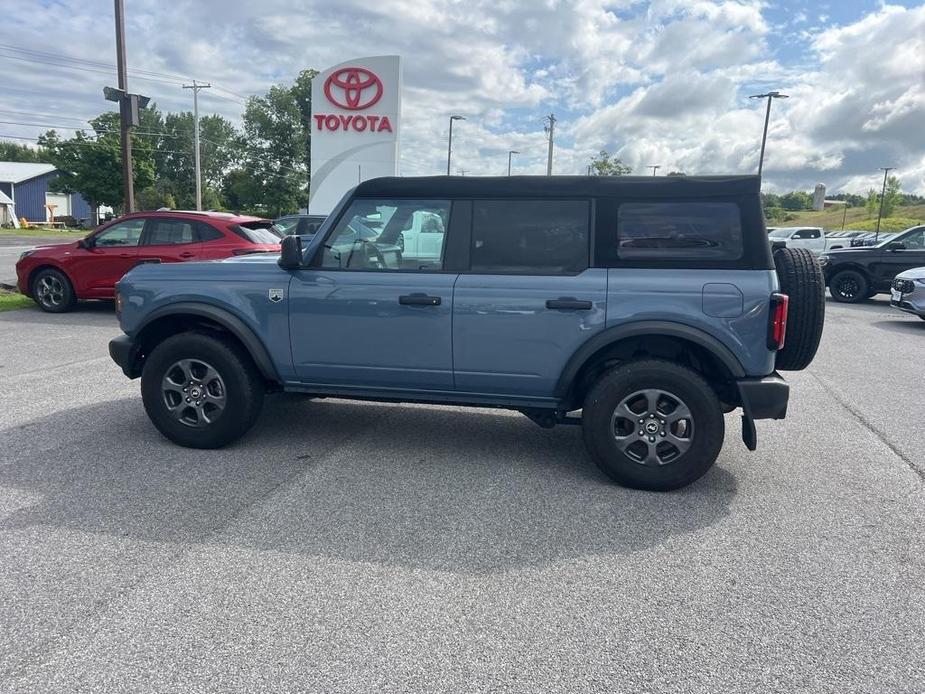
(365, 547)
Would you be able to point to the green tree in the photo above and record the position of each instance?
(603, 164)
(796, 200)
(90, 163)
(302, 92)
(872, 203)
(893, 197)
(275, 155)
(14, 151)
(219, 149)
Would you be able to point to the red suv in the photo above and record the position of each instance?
(57, 276)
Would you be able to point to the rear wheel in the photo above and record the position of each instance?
(849, 287)
(653, 425)
(201, 391)
(53, 291)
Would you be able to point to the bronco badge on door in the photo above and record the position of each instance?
(276, 295)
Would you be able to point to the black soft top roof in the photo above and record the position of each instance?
(560, 186)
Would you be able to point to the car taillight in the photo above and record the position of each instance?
(777, 322)
(118, 303)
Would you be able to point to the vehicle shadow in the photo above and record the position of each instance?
(908, 327)
(463, 491)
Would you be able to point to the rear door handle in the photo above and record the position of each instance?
(569, 304)
(187, 254)
(419, 300)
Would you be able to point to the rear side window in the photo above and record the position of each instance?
(679, 231)
(168, 232)
(540, 237)
(257, 232)
(208, 233)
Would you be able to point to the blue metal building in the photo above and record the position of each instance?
(27, 184)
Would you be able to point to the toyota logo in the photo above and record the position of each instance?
(353, 88)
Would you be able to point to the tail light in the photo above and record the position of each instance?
(777, 322)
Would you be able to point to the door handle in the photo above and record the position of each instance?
(567, 303)
(187, 254)
(419, 300)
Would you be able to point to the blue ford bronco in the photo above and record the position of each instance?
(640, 308)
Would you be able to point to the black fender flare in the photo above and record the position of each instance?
(649, 327)
(229, 322)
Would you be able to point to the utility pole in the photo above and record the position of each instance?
(886, 170)
(844, 216)
(509, 154)
(770, 96)
(654, 168)
(550, 129)
(195, 86)
(125, 125)
(449, 144)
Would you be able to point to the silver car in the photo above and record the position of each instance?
(907, 292)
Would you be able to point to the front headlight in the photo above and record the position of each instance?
(25, 254)
(920, 280)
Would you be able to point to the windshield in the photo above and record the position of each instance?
(780, 234)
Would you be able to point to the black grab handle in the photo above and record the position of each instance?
(569, 304)
(419, 300)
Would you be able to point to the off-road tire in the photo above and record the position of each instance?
(52, 291)
(242, 386)
(610, 390)
(849, 287)
(801, 279)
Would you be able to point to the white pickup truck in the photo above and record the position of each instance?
(811, 238)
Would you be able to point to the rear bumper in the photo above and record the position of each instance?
(764, 398)
(126, 353)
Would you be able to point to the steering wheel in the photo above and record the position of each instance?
(367, 246)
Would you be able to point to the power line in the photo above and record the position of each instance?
(110, 66)
(82, 65)
(89, 143)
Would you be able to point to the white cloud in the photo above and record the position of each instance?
(663, 82)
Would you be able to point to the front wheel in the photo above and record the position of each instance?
(53, 291)
(653, 425)
(201, 391)
(849, 287)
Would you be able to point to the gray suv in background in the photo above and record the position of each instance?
(640, 308)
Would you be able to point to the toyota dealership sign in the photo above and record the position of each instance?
(356, 118)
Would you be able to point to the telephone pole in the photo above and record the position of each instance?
(125, 124)
(196, 86)
(550, 129)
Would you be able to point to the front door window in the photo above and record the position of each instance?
(389, 235)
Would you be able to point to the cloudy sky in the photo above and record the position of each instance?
(663, 82)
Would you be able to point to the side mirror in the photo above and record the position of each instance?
(290, 257)
(84, 243)
(895, 246)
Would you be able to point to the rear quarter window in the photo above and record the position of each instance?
(682, 231)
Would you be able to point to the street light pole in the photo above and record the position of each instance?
(654, 168)
(510, 152)
(195, 86)
(767, 117)
(449, 146)
(886, 170)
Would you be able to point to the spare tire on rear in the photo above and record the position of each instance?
(800, 279)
